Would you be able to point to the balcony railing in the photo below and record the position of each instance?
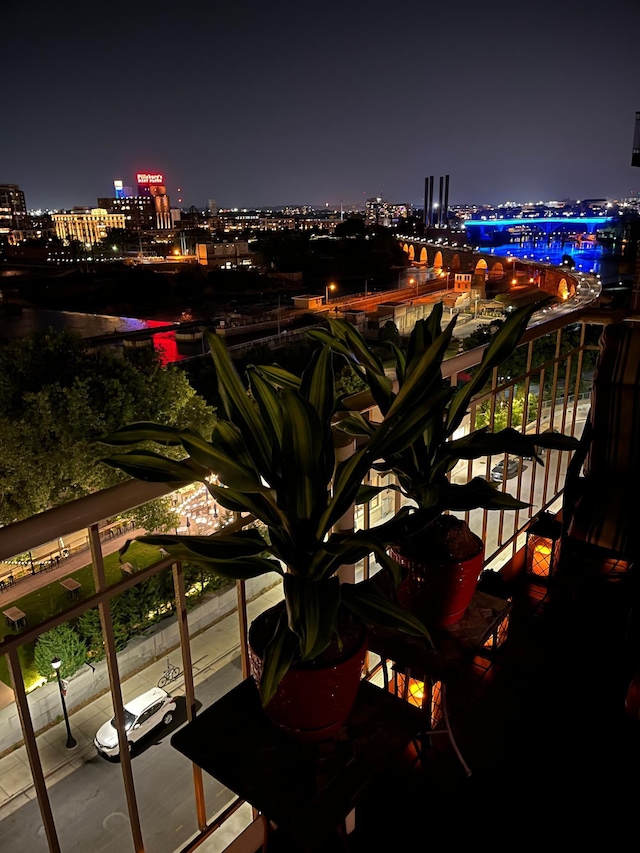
(556, 388)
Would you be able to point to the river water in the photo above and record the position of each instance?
(17, 323)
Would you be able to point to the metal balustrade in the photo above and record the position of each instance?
(503, 534)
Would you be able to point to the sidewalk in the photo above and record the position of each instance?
(211, 650)
(77, 560)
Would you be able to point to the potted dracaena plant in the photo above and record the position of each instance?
(441, 556)
(274, 457)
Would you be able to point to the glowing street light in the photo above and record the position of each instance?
(56, 663)
(330, 287)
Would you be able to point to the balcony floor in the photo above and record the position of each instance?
(543, 728)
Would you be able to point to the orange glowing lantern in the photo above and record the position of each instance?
(543, 546)
(422, 694)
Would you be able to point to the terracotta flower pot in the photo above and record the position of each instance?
(438, 587)
(312, 702)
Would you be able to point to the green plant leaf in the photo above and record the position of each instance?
(276, 375)
(318, 384)
(477, 493)
(401, 362)
(348, 477)
(144, 431)
(278, 657)
(262, 506)
(227, 468)
(216, 547)
(154, 468)
(354, 424)
(483, 443)
(324, 337)
(381, 387)
(304, 477)
(501, 346)
(312, 610)
(234, 567)
(368, 603)
(356, 344)
(421, 373)
(241, 410)
(268, 402)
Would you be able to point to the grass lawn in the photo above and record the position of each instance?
(52, 599)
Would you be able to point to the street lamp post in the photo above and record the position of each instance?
(55, 663)
(328, 287)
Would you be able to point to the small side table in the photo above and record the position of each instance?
(414, 662)
(306, 790)
(15, 618)
(72, 587)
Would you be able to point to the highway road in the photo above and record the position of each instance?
(89, 804)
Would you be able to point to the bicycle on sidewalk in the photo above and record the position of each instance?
(171, 673)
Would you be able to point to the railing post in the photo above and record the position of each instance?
(111, 655)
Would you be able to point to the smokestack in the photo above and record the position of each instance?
(440, 200)
(426, 203)
(635, 153)
(445, 206)
(430, 214)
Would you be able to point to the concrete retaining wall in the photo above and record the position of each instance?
(44, 702)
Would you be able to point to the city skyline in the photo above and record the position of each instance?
(266, 107)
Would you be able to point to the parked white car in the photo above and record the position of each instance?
(141, 715)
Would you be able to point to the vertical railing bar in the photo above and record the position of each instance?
(33, 754)
(366, 521)
(578, 382)
(563, 421)
(525, 417)
(534, 476)
(552, 411)
(241, 595)
(111, 655)
(473, 414)
(189, 688)
(492, 416)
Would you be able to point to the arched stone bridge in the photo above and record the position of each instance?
(491, 274)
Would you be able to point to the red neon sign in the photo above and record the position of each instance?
(146, 178)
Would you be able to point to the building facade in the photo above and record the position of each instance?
(13, 210)
(86, 226)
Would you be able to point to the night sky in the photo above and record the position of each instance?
(254, 104)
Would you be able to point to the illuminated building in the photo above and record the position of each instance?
(122, 191)
(87, 226)
(13, 209)
(149, 210)
(225, 255)
(381, 212)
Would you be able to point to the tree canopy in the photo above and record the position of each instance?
(58, 399)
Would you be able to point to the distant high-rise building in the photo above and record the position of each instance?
(635, 152)
(378, 211)
(149, 210)
(13, 209)
(212, 206)
(122, 191)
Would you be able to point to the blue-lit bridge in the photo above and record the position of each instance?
(481, 232)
